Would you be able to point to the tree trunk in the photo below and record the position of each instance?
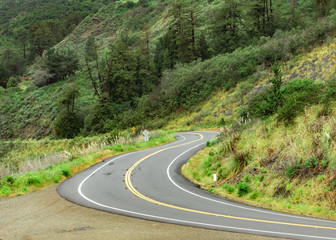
(92, 80)
(193, 35)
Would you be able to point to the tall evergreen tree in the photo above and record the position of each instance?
(119, 80)
(261, 17)
(225, 30)
(322, 7)
(67, 123)
(89, 56)
(60, 64)
(21, 35)
(183, 28)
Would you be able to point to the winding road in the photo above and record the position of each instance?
(147, 184)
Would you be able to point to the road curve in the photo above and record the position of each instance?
(148, 184)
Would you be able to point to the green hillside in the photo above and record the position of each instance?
(81, 72)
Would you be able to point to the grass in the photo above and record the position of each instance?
(47, 172)
(308, 146)
(226, 104)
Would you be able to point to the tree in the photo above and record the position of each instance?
(145, 76)
(166, 55)
(45, 34)
(67, 123)
(183, 28)
(21, 35)
(13, 61)
(41, 37)
(275, 95)
(92, 55)
(4, 75)
(225, 29)
(293, 9)
(13, 82)
(202, 51)
(322, 7)
(60, 64)
(119, 81)
(261, 17)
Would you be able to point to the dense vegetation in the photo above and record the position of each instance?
(165, 55)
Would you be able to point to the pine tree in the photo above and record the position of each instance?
(225, 30)
(67, 123)
(92, 55)
(261, 17)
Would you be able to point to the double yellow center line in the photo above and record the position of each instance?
(138, 194)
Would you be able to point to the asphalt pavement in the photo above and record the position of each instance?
(148, 184)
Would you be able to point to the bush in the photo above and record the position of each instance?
(254, 195)
(41, 77)
(297, 95)
(12, 82)
(292, 100)
(211, 143)
(10, 180)
(67, 125)
(293, 171)
(229, 188)
(311, 162)
(243, 189)
(34, 180)
(66, 173)
(5, 191)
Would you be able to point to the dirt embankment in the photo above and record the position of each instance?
(45, 215)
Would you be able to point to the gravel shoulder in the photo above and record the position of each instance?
(46, 215)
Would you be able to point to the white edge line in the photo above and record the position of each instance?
(233, 205)
(178, 220)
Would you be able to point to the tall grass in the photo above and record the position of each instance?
(289, 168)
(63, 160)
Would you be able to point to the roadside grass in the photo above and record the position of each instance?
(45, 172)
(288, 168)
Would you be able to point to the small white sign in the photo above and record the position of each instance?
(146, 134)
(215, 177)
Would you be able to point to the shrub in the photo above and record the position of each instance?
(311, 162)
(57, 178)
(41, 77)
(12, 82)
(10, 180)
(254, 195)
(211, 143)
(288, 102)
(5, 191)
(229, 188)
(293, 171)
(243, 189)
(297, 95)
(66, 173)
(67, 125)
(247, 178)
(34, 180)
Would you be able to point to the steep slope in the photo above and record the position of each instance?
(269, 163)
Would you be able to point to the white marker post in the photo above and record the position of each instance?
(146, 134)
(215, 178)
